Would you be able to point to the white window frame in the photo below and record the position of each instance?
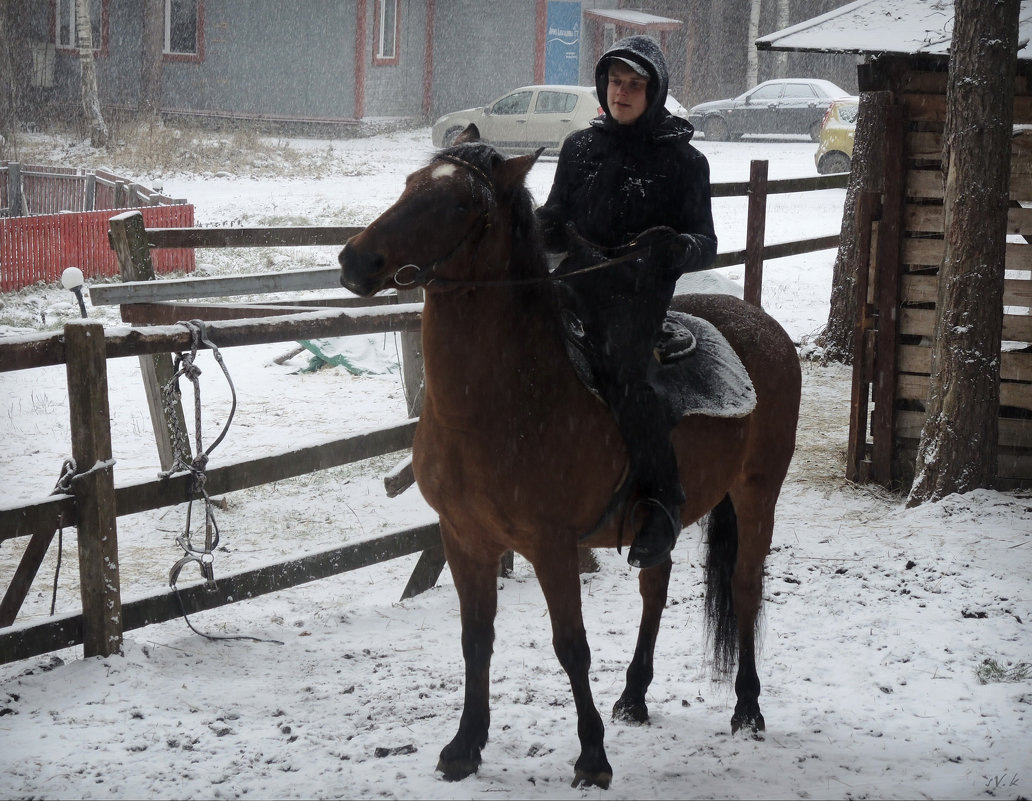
(387, 32)
(66, 9)
(167, 44)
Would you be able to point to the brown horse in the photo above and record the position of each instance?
(514, 453)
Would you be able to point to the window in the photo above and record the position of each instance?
(516, 103)
(183, 29)
(765, 94)
(555, 103)
(799, 91)
(64, 25)
(385, 34)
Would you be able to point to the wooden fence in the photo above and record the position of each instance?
(57, 217)
(99, 628)
(902, 241)
(39, 248)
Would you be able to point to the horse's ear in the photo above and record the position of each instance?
(510, 173)
(470, 134)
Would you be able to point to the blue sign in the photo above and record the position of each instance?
(562, 42)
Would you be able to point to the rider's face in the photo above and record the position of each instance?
(625, 94)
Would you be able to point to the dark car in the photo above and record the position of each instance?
(782, 106)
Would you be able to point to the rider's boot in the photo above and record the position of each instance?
(657, 536)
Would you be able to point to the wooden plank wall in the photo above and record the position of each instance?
(924, 97)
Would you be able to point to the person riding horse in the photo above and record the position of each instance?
(632, 180)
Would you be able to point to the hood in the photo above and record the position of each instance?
(645, 52)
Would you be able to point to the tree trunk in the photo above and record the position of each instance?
(751, 65)
(153, 46)
(958, 446)
(88, 68)
(864, 176)
(782, 58)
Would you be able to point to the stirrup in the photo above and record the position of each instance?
(651, 558)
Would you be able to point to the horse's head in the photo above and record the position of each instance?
(456, 223)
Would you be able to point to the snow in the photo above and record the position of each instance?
(880, 623)
(884, 26)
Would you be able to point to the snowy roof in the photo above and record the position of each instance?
(885, 26)
(637, 18)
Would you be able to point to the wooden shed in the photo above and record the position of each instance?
(900, 235)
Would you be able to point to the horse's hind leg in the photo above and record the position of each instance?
(559, 579)
(755, 529)
(739, 537)
(652, 584)
(475, 580)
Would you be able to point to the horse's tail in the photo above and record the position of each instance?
(721, 553)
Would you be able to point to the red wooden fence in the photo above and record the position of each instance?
(39, 248)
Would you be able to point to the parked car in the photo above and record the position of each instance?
(835, 141)
(782, 106)
(530, 117)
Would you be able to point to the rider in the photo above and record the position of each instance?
(633, 169)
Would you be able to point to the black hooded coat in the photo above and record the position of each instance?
(612, 184)
(614, 181)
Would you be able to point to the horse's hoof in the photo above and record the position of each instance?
(599, 778)
(752, 721)
(631, 711)
(455, 766)
(592, 770)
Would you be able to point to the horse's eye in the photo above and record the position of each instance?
(461, 208)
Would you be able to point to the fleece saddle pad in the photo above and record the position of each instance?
(696, 370)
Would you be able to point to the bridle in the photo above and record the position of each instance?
(427, 276)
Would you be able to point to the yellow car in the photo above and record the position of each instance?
(835, 141)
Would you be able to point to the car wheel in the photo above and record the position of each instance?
(715, 129)
(451, 135)
(834, 162)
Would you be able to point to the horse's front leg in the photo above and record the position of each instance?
(475, 577)
(559, 577)
(652, 584)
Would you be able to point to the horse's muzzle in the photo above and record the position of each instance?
(360, 270)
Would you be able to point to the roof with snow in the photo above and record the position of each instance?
(885, 26)
(636, 19)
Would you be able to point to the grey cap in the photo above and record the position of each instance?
(638, 68)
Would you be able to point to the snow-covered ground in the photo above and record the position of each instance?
(895, 659)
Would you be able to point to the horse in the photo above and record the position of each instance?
(515, 453)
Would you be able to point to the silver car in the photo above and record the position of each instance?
(782, 106)
(530, 117)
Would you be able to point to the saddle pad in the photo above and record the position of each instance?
(710, 380)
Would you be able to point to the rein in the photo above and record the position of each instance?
(426, 276)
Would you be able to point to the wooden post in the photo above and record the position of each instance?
(14, 189)
(857, 462)
(94, 488)
(887, 281)
(128, 238)
(412, 358)
(756, 224)
(89, 201)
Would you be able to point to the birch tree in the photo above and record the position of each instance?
(88, 75)
(751, 61)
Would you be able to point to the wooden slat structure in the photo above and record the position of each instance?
(904, 225)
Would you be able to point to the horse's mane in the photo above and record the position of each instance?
(528, 253)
